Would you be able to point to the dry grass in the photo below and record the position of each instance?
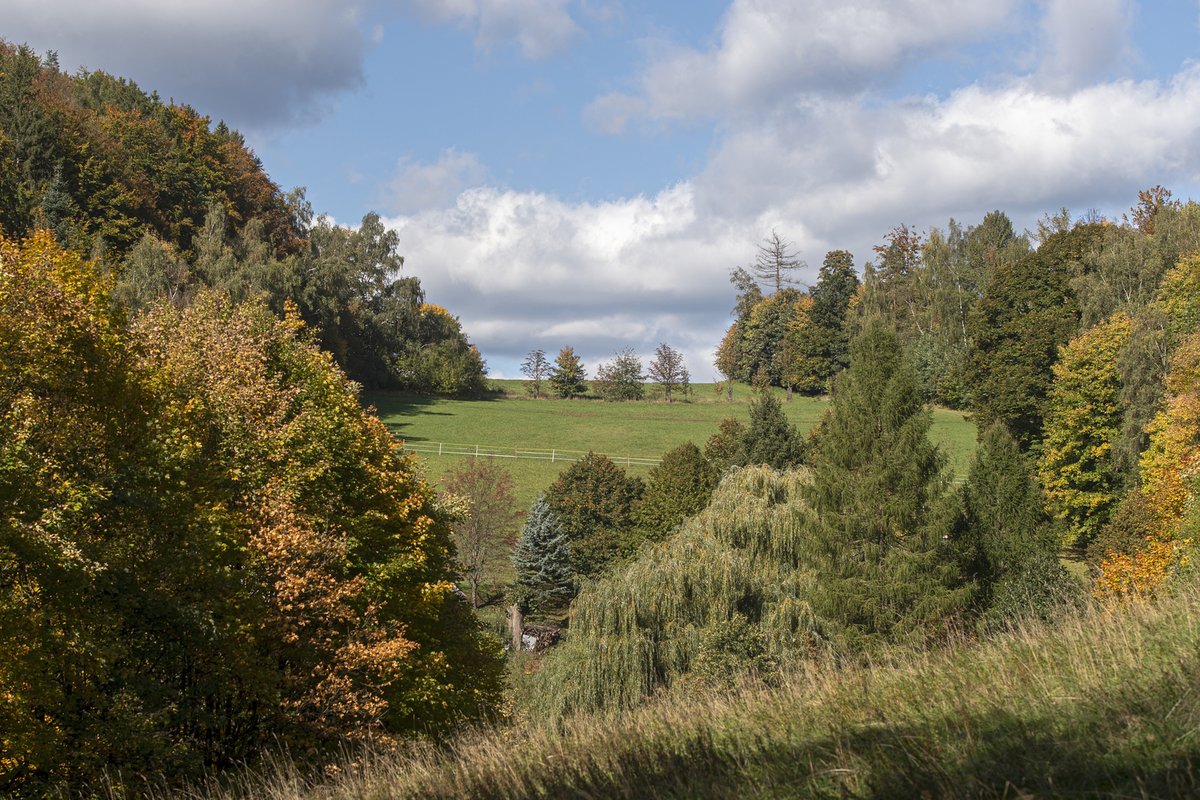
(1105, 705)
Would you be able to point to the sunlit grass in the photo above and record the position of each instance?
(573, 427)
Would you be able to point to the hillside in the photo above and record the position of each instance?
(572, 427)
(1098, 706)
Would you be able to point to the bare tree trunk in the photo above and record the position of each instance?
(516, 626)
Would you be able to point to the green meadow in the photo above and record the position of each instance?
(512, 421)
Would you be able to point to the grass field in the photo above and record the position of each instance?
(570, 428)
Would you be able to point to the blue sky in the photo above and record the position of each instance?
(586, 172)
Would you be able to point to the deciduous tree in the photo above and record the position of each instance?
(1082, 426)
(593, 500)
(667, 369)
(484, 536)
(621, 379)
(536, 368)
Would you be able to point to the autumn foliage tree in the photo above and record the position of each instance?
(205, 544)
(1082, 425)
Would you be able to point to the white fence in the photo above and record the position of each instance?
(485, 451)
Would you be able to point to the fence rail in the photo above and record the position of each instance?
(552, 454)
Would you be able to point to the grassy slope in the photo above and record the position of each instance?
(1103, 706)
(647, 428)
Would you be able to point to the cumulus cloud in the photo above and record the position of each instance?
(254, 64)
(769, 49)
(1083, 41)
(525, 270)
(424, 186)
(538, 27)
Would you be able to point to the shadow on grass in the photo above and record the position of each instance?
(1109, 746)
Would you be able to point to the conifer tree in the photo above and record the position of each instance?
(724, 449)
(593, 500)
(1008, 547)
(567, 376)
(771, 439)
(677, 488)
(879, 492)
(542, 559)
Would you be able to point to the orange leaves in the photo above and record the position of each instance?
(1141, 575)
(1170, 463)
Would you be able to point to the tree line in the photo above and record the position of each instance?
(171, 204)
(621, 379)
(1074, 337)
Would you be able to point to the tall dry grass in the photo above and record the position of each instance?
(1103, 705)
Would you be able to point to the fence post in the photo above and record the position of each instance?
(439, 448)
(551, 456)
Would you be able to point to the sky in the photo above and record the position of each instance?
(587, 172)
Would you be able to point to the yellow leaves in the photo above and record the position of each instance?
(1179, 295)
(1142, 575)
(1173, 455)
(1082, 420)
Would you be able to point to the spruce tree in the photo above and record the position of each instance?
(770, 438)
(879, 491)
(567, 376)
(1007, 545)
(542, 559)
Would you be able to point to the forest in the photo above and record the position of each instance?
(211, 553)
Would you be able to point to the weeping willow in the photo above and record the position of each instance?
(637, 630)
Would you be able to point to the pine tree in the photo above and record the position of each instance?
(542, 559)
(879, 491)
(567, 376)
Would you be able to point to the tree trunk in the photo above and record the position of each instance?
(789, 394)
(729, 390)
(516, 626)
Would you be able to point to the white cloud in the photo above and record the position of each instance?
(526, 270)
(254, 64)
(424, 186)
(773, 49)
(538, 27)
(1084, 41)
